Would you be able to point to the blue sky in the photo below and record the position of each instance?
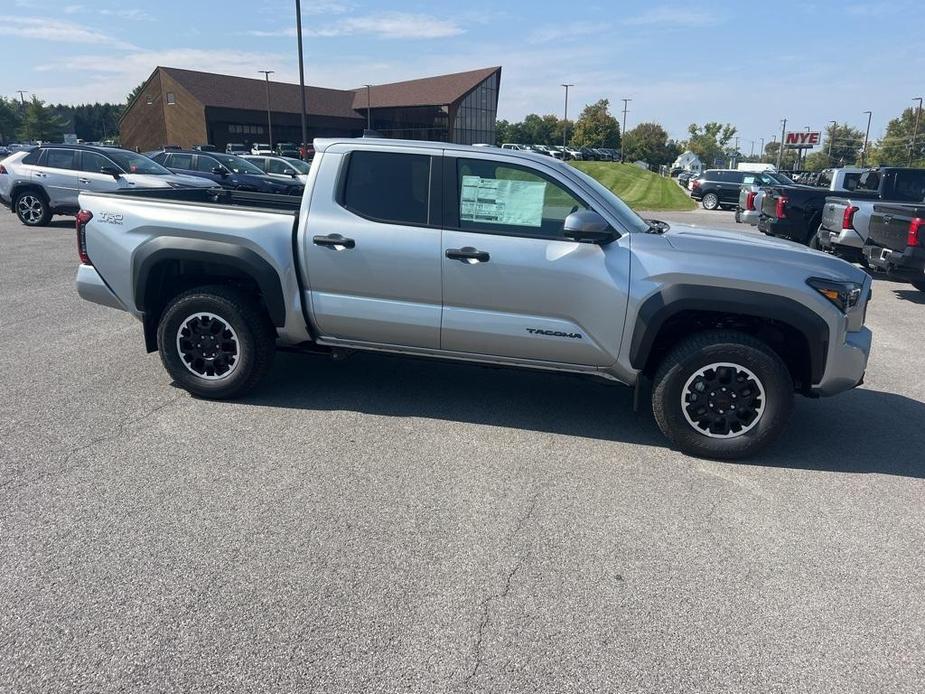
(747, 63)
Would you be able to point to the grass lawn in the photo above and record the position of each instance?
(641, 190)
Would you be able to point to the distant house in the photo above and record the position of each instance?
(689, 162)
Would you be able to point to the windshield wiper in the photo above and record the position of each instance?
(656, 226)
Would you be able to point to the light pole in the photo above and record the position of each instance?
(866, 135)
(834, 125)
(298, 28)
(623, 131)
(762, 149)
(780, 150)
(369, 101)
(565, 121)
(915, 128)
(267, 73)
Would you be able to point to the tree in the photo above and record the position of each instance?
(895, 147)
(710, 141)
(846, 143)
(789, 160)
(40, 122)
(649, 142)
(596, 127)
(132, 94)
(10, 119)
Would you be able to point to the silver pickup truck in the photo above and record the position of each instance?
(481, 255)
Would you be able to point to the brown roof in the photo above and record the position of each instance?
(226, 91)
(428, 91)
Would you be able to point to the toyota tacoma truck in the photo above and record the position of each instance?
(480, 255)
(896, 244)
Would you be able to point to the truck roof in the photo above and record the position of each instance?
(322, 143)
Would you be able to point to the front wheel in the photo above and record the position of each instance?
(722, 394)
(215, 341)
(710, 201)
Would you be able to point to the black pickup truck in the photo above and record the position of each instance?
(795, 212)
(896, 243)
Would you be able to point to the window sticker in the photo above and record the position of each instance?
(497, 201)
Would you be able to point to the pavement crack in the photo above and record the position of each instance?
(500, 595)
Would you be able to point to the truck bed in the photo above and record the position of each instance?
(218, 196)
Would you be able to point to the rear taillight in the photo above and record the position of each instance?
(695, 183)
(847, 220)
(915, 226)
(83, 217)
(781, 209)
(3, 169)
(750, 201)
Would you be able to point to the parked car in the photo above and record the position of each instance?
(896, 243)
(262, 148)
(751, 194)
(726, 328)
(306, 152)
(47, 180)
(286, 168)
(588, 154)
(574, 153)
(4, 152)
(237, 148)
(558, 152)
(795, 212)
(205, 148)
(603, 154)
(685, 176)
(287, 149)
(512, 145)
(227, 170)
(718, 188)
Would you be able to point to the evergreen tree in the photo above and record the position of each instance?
(41, 123)
(10, 119)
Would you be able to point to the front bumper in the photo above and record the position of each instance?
(846, 363)
(91, 287)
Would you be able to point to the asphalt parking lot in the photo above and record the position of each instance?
(397, 525)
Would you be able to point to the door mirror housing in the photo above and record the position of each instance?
(220, 171)
(588, 226)
(111, 171)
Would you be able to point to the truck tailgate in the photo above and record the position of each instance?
(889, 224)
(833, 213)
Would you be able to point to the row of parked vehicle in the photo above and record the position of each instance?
(568, 153)
(39, 183)
(873, 216)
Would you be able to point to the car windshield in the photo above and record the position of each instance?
(780, 178)
(627, 216)
(136, 163)
(298, 165)
(237, 164)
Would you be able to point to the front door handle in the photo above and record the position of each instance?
(335, 241)
(41, 174)
(468, 254)
(83, 180)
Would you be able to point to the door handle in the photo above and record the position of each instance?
(41, 174)
(334, 241)
(468, 254)
(83, 180)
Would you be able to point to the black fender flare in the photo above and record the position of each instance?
(216, 253)
(670, 301)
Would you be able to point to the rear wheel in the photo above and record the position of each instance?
(722, 394)
(710, 201)
(32, 209)
(215, 341)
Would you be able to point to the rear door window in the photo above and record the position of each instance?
(206, 164)
(388, 187)
(60, 159)
(275, 166)
(91, 162)
(180, 161)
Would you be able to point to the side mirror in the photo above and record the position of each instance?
(588, 226)
(220, 171)
(111, 171)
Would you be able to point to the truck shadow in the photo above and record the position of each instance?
(849, 433)
(912, 295)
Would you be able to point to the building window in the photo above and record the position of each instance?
(171, 98)
(149, 99)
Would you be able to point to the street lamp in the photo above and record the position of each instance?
(866, 135)
(834, 125)
(565, 121)
(303, 150)
(369, 117)
(915, 128)
(623, 132)
(267, 73)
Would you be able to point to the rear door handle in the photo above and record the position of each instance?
(83, 180)
(41, 174)
(468, 254)
(335, 241)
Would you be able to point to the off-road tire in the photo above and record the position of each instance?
(710, 201)
(706, 348)
(254, 338)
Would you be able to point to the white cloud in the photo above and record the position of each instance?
(56, 30)
(386, 25)
(673, 16)
(570, 30)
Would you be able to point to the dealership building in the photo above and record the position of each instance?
(187, 108)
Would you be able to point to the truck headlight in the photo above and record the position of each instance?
(845, 295)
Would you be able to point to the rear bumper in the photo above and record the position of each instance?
(908, 264)
(843, 237)
(747, 216)
(846, 363)
(781, 228)
(91, 287)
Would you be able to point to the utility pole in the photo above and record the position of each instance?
(915, 129)
(565, 121)
(780, 150)
(623, 132)
(834, 125)
(267, 73)
(298, 27)
(751, 152)
(735, 156)
(22, 96)
(866, 135)
(762, 150)
(369, 112)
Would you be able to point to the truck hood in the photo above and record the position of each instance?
(766, 249)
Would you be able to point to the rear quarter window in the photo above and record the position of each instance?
(388, 187)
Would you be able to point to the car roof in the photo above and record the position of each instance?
(87, 148)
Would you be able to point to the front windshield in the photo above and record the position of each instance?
(298, 165)
(781, 178)
(237, 164)
(136, 163)
(631, 220)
